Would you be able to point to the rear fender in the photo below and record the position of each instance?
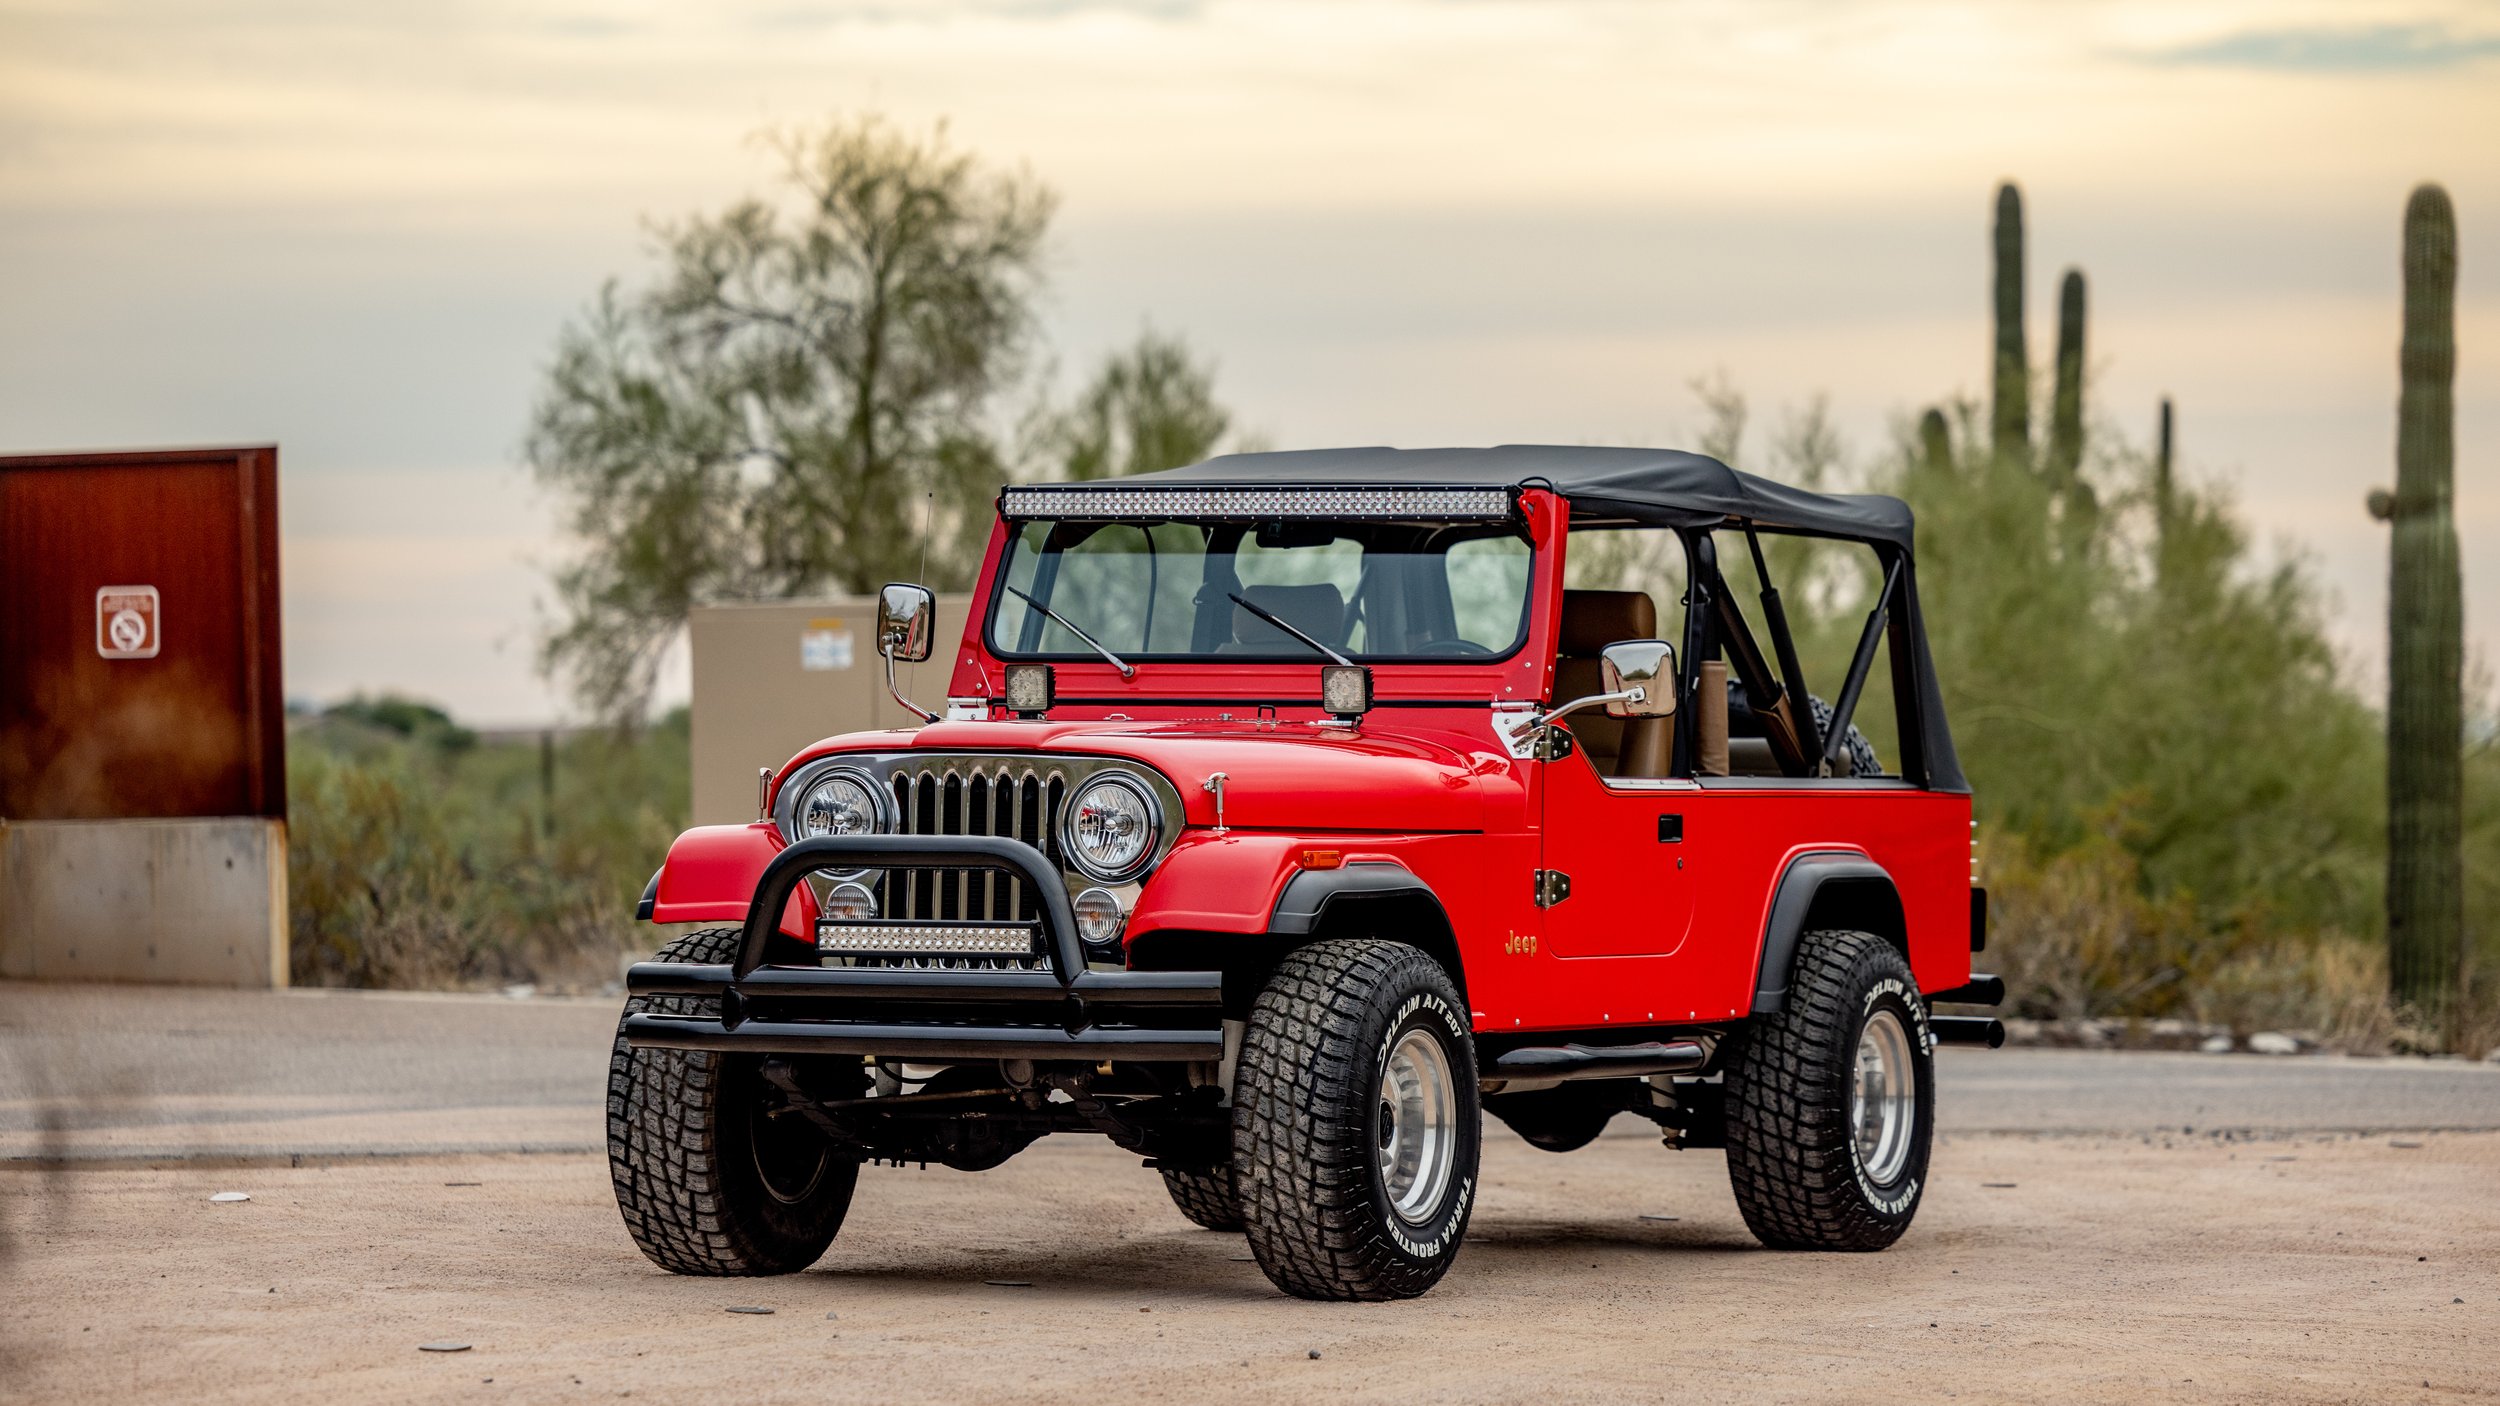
(711, 874)
(1823, 889)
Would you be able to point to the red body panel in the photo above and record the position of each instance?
(711, 872)
(1654, 932)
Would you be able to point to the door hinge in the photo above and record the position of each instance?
(1552, 887)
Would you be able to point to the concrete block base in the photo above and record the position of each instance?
(187, 902)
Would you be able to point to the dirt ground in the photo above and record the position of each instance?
(2324, 1267)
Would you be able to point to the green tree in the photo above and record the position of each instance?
(799, 401)
(1150, 407)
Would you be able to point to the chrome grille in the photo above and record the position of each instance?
(1008, 797)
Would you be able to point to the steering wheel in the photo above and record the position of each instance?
(1455, 647)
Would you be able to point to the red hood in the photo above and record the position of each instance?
(1283, 775)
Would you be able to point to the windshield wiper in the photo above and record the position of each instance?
(1127, 670)
(1333, 656)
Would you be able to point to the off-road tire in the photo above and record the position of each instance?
(681, 1150)
(1307, 1122)
(1791, 1151)
(1210, 1198)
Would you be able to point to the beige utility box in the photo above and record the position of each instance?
(771, 677)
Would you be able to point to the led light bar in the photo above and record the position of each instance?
(956, 939)
(1092, 503)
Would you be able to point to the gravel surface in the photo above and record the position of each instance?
(2098, 1226)
(2319, 1268)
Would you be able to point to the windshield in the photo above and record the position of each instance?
(1167, 590)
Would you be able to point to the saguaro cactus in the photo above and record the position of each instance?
(2165, 489)
(2425, 628)
(1935, 442)
(2010, 415)
(2066, 408)
(2162, 474)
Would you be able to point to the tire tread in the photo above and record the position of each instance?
(1788, 1138)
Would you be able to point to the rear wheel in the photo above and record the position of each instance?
(1831, 1102)
(713, 1174)
(1211, 1197)
(1355, 1122)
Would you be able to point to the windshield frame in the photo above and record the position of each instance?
(1013, 529)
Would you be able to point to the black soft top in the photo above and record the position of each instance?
(1666, 486)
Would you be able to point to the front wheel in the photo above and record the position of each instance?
(1355, 1122)
(714, 1175)
(1831, 1101)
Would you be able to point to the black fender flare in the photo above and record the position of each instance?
(1792, 904)
(1306, 896)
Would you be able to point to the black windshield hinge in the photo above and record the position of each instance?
(1552, 887)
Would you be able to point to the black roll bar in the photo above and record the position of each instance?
(1836, 745)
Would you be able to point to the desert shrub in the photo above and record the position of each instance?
(426, 856)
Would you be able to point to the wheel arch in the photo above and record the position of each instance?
(1817, 890)
(1363, 899)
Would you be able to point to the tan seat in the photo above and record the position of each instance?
(1316, 610)
(1592, 620)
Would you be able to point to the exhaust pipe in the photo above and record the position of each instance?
(1985, 1031)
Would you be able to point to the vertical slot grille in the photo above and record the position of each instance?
(1011, 799)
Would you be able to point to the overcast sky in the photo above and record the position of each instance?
(356, 230)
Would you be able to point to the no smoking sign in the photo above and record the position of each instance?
(126, 622)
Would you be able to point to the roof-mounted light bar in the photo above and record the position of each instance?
(1089, 503)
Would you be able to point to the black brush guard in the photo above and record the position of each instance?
(939, 1016)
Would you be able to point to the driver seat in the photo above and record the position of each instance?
(1592, 620)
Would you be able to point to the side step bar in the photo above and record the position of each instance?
(1569, 1062)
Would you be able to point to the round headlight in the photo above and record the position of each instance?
(839, 804)
(1110, 827)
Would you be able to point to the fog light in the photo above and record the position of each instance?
(1098, 917)
(848, 903)
(1030, 689)
(1345, 690)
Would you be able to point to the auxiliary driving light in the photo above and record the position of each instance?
(1345, 690)
(1098, 917)
(1031, 688)
(848, 903)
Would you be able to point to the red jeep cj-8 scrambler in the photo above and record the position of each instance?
(1290, 811)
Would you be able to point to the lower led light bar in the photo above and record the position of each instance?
(1093, 503)
(952, 939)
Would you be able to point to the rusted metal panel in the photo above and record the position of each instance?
(193, 728)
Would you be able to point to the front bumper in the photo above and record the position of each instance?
(1066, 1013)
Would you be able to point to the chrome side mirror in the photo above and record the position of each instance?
(904, 613)
(904, 617)
(1640, 674)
